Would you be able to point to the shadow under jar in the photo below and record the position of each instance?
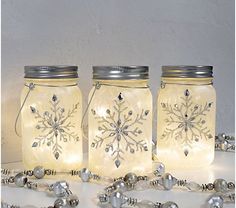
(51, 118)
(186, 117)
(120, 121)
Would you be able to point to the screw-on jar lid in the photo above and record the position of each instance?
(120, 72)
(51, 72)
(187, 71)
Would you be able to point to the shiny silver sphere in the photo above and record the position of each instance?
(131, 178)
(39, 172)
(20, 179)
(220, 185)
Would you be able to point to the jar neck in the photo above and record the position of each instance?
(188, 81)
(52, 82)
(121, 83)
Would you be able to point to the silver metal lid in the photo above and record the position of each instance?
(187, 71)
(51, 72)
(120, 72)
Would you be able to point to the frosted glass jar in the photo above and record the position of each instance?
(186, 117)
(51, 118)
(120, 121)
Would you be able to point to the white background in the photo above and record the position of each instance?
(124, 32)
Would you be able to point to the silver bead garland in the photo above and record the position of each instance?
(114, 193)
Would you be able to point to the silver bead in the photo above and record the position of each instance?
(72, 200)
(231, 185)
(215, 201)
(120, 186)
(159, 169)
(59, 203)
(117, 199)
(220, 185)
(192, 186)
(167, 181)
(31, 185)
(131, 178)
(39, 172)
(169, 204)
(20, 179)
(103, 198)
(221, 136)
(85, 174)
(60, 188)
(11, 179)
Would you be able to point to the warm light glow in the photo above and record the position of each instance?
(51, 120)
(114, 132)
(186, 123)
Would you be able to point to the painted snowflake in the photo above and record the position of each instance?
(186, 122)
(54, 126)
(119, 125)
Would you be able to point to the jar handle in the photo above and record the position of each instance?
(96, 87)
(31, 87)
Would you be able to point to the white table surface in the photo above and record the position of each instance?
(222, 167)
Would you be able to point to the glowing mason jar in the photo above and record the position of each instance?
(120, 121)
(186, 117)
(51, 118)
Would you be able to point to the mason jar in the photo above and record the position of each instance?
(51, 118)
(186, 106)
(120, 121)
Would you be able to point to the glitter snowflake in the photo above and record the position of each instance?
(120, 125)
(55, 126)
(187, 121)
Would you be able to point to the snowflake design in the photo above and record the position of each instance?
(55, 126)
(120, 125)
(187, 121)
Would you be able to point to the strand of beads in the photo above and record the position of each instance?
(167, 182)
(59, 189)
(39, 172)
(225, 143)
(118, 199)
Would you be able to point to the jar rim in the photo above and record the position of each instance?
(120, 72)
(187, 71)
(51, 72)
